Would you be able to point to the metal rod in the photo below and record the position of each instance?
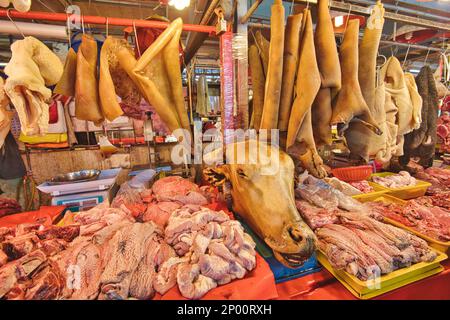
(386, 42)
(49, 16)
(250, 11)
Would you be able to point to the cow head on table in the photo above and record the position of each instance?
(262, 188)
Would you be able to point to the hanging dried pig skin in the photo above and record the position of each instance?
(66, 86)
(408, 102)
(368, 52)
(158, 77)
(330, 74)
(290, 65)
(114, 81)
(32, 67)
(263, 46)
(5, 115)
(300, 140)
(258, 82)
(272, 90)
(422, 141)
(362, 141)
(350, 103)
(86, 86)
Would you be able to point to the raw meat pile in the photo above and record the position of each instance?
(427, 219)
(362, 186)
(443, 131)
(441, 200)
(320, 204)
(346, 188)
(165, 196)
(438, 177)
(400, 180)
(106, 254)
(27, 270)
(9, 206)
(367, 248)
(213, 250)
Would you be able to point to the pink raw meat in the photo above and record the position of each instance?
(160, 212)
(178, 189)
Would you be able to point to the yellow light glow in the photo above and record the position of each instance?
(338, 21)
(179, 4)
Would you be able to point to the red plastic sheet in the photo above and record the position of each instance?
(257, 285)
(45, 216)
(323, 286)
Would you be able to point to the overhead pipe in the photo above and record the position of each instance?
(62, 17)
(33, 29)
(385, 42)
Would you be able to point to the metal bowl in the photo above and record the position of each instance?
(74, 177)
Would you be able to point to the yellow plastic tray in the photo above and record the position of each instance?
(371, 196)
(404, 193)
(396, 279)
(436, 244)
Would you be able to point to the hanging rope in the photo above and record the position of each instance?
(107, 27)
(426, 57)
(69, 31)
(136, 37)
(82, 24)
(15, 25)
(406, 56)
(348, 16)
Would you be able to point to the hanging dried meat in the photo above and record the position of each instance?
(269, 119)
(350, 104)
(86, 87)
(421, 142)
(409, 106)
(66, 85)
(114, 81)
(330, 74)
(158, 77)
(290, 66)
(300, 140)
(32, 67)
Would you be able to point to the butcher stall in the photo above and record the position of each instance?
(224, 150)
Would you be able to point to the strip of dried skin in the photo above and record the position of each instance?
(275, 69)
(66, 86)
(350, 102)
(368, 51)
(290, 65)
(321, 116)
(330, 74)
(307, 82)
(263, 48)
(326, 51)
(160, 66)
(258, 82)
(86, 87)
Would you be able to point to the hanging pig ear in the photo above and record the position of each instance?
(216, 176)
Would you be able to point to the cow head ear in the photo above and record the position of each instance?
(216, 176)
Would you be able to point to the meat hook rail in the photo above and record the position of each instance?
(50, 16)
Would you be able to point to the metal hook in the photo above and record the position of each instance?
(15, 25)
(107, 27)
(82, 24)
(136, 37)
(307, 4)
(348, 15)
(406, 56)
(292, 7)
